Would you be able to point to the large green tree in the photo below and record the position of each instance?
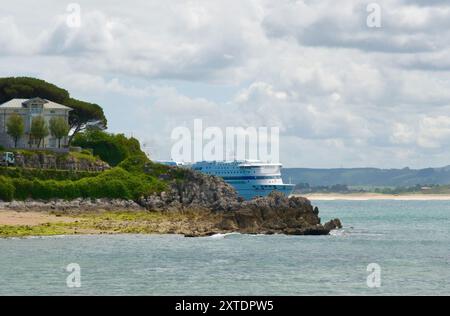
(39, 129)
(59, 128)
(84, 114)
(15, 127)
(26, 88)
(112, 148)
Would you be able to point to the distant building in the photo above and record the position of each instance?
(28, 109)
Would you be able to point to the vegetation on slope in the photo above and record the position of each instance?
(112, 148)
(134, 177)
(115, 183)
(45, 174)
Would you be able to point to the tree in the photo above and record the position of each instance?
(15, 127)
(83, 116)
(112, 148)
(39, 129)
(58, 128)
(27, 88)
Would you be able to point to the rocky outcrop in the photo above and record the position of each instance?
(267, 215)
(77, 205)
(277, 214)
(194, 191)
(42, 160)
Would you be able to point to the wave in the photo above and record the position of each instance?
(339, 232)
(351, 232)
(221, 236)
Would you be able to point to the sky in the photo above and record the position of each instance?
(343, 94)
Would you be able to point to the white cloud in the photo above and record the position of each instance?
(434, 131)
(402, 134)
(341, 93)
(12, 40)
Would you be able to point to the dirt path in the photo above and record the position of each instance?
(12, 218)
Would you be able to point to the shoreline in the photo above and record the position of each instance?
(36, 223)
(195, 216)
(374, 196)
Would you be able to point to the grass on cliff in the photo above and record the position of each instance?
(132, 176)
(45, 174)
(135, 177)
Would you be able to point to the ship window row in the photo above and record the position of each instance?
(229, 172)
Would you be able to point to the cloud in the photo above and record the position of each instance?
(434, 131)
(12, 40)
(179, 40)
(342, 24)
(341, 93)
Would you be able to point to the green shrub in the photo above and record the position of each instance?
(114, 189)
(45, 174)
(88, 151)
(23, 188)
(135, 164)
(112, 148)
(114, 183)
(6, 189)
(140, 164)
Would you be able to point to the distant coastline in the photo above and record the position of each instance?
(375, 196)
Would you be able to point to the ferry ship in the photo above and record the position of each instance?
(250, 178)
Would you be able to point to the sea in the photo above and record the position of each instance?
(385, 248)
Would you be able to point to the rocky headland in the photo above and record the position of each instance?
(198, 205)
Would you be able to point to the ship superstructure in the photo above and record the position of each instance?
(250, 178)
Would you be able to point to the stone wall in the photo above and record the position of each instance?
(62, 162)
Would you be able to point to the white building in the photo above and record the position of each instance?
(28, 109)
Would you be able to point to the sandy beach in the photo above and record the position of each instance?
(376, 196)
(13, 218)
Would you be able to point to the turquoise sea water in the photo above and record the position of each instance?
(409, 240)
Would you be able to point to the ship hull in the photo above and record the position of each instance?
(251, 191)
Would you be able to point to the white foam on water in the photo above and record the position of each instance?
(339, 232)
(221, 236)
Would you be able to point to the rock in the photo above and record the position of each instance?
(275, 213)
(77, 205)
(195, 191)
(333, 224)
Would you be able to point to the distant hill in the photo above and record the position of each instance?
(367, 176)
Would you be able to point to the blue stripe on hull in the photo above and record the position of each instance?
(250, 193)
